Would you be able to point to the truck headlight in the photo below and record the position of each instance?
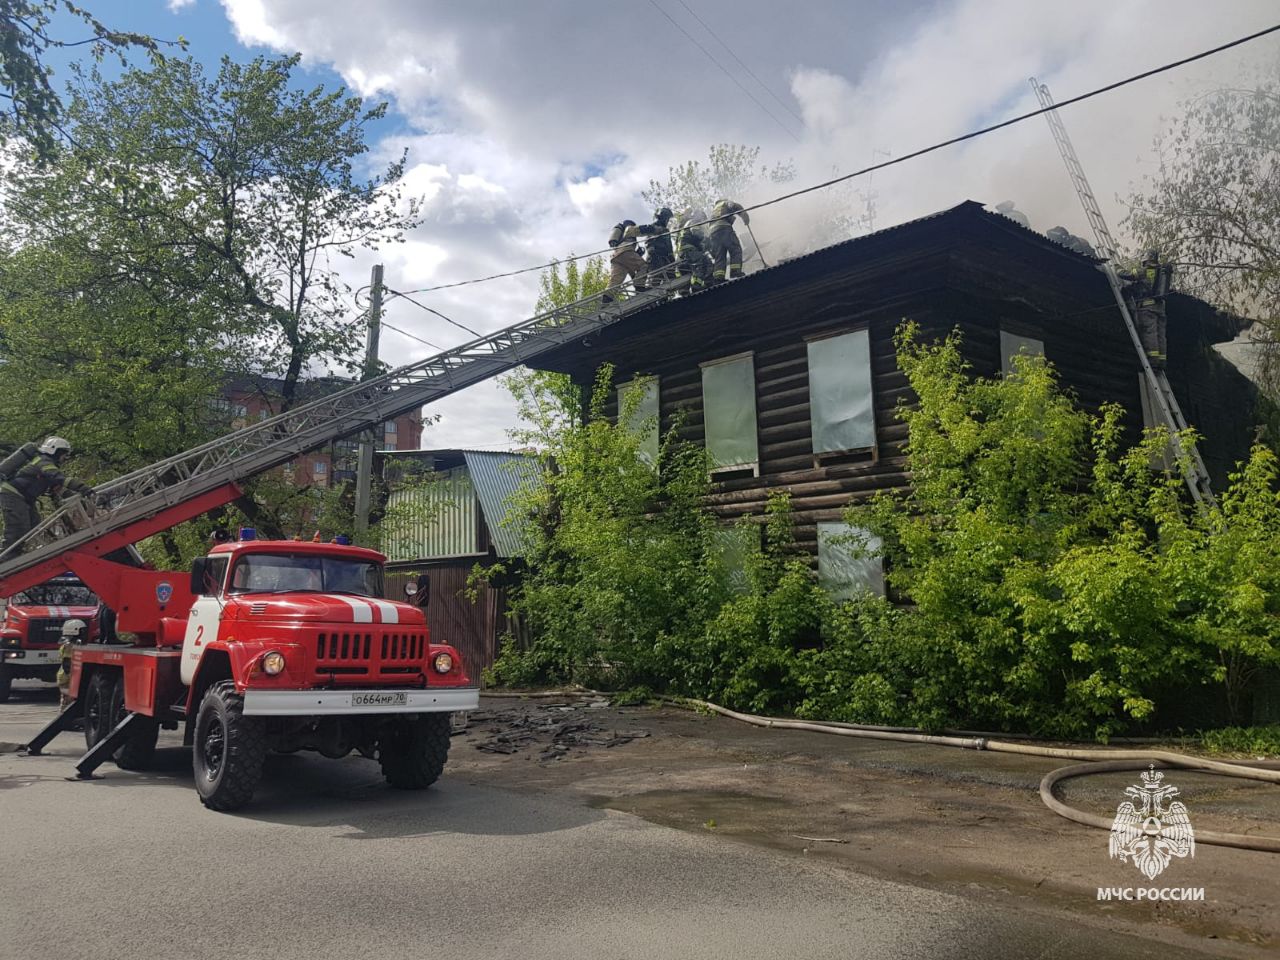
(442, 663)
(273, 663)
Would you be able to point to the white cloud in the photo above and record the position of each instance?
(534, 129)
(177, 5)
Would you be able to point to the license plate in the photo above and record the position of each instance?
(389, 698)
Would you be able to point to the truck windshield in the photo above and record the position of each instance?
(56, 595)
(305, 573)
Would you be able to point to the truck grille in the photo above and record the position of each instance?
(364, 654)
(44, 630)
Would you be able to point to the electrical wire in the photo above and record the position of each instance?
(723, 69)
(894, 160)
(423, 306)
(411, 336)
(705, 26)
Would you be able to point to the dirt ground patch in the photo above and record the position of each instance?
(961, 821)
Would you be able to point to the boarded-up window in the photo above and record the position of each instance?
(638, 405)
(840, 393)
(734, 546)
(842, 569)
(1012, 344)
(729, 413)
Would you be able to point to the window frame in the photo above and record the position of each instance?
(1006, 365)
(648, 441)
(748, 468)
(862, 454)
(877, 587)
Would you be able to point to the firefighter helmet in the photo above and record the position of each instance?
(55, 447)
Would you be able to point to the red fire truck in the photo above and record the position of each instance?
(248, 654)
(31, 628)
(268, 645)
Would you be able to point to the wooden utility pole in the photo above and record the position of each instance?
(364, 462)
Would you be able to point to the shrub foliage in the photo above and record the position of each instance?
(1043, 575)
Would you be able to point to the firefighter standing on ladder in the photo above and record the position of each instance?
(41, 474)
(625, 260)
(1147, 290)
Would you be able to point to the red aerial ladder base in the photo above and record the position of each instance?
(82, 556)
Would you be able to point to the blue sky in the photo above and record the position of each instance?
(209, 35)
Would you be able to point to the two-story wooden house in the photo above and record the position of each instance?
(789, 376)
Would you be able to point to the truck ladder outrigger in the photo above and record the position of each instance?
(1161, 393)
(179, 488)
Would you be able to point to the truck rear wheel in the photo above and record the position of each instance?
(229, 749)
(413, 750)
(139, 750)
(97, 708)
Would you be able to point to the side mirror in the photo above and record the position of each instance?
(200, 576)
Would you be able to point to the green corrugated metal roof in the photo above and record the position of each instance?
(448, 524)
(496, 477)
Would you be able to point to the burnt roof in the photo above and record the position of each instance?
(958, 229)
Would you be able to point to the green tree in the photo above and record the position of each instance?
(235, 189)
(32, 109)
(1213, 205)
(545, 398)
(729, 173)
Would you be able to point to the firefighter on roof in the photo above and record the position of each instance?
(659, 250)
(693, 251)
(26, 482)
(625, 260)
(722, 240)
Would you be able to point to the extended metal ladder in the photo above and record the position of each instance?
(1165, 403)
(195, 477)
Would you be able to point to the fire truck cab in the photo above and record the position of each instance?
(31, 628)
(268, 645)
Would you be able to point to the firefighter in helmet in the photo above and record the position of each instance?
(722, 240)
(659, 250)
(40, 475)
(1148, 286)
(625, 261)
(73, 632)
(692, 247)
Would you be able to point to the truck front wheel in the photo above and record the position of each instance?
(229, 749)
(413, 750)
(6, 683)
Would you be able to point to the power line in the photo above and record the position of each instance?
(423, 306)
(893, 161)
(750, 72)
(707, 53)
(411, 336)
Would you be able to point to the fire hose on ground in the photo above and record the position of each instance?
(1096, 760)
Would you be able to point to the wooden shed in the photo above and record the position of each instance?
(789, 375)
(461, 524)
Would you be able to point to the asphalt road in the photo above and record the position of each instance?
(329, 863)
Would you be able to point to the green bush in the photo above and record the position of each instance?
(1044, 577)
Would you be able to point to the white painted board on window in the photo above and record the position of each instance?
(643, 417)
(1011, 344)
(729, 412)
(841, 571)
(843, 417)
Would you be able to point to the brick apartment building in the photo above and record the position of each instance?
(249, 399)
